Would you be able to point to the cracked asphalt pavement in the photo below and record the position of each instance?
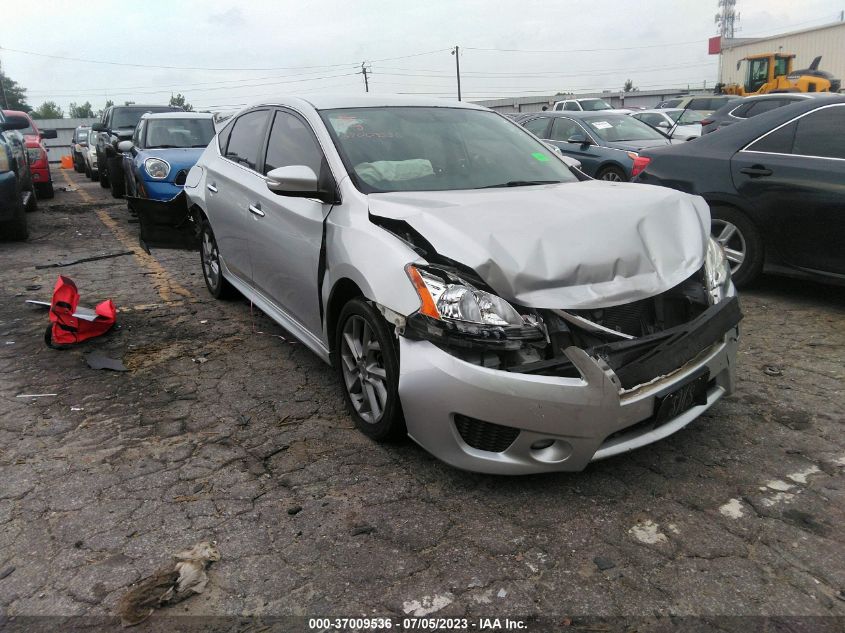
(225, 428)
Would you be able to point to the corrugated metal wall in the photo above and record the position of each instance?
(829, 42)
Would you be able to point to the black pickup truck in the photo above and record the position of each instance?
(117, 124)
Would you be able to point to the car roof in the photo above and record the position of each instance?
(658, 111)
(781, 95)
(177, 115)
(740, 134)
(330, 101)
(580, 114)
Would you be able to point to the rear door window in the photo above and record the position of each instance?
(571, 105)
(539, 127)
(563, 129)
(776, 142)
(763, 105)
(821, 133)
(247, 138)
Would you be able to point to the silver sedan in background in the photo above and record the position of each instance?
(472, 290)
(676, 123)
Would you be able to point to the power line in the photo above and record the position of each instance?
(581, 50)
(159, 67)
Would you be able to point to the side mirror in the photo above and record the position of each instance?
(664, 124)
(297, 181)
(578, 139)
(99, 127)
(49, 134)
(16, 123)
(124, 146)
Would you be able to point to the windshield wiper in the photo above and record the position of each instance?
(164, 147)
(522, 183)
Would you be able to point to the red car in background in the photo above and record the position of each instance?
(38, 163)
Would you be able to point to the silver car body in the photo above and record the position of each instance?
(90, 152)
(679, 133)
(292, 256)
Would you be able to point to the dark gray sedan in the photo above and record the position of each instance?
(607, 145)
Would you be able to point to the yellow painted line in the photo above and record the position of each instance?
(165, 285)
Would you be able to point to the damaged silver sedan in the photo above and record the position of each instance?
(472, 289)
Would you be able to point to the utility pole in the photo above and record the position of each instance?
(364, 72)
(457, 53)
(726, 18)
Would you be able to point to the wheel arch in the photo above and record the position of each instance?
(343, 291)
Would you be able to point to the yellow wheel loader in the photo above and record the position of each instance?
(772, 72)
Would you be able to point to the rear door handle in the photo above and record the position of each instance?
(211, 188)
(756, 171)
(255, 210)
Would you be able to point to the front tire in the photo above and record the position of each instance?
(118, 185)
(368, 368)
(212, 269)
(741, 241)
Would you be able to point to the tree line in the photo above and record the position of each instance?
(13, 97)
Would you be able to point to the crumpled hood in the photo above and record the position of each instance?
(591, 244)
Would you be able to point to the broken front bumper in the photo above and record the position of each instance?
(499, 422)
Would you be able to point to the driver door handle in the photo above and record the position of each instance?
(756, 171)
(256, 210)
(211, 188)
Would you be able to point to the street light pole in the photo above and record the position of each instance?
(457, 53)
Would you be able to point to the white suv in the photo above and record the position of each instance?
(588, 105)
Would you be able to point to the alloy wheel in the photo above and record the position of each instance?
(363, 369)
(611, 176)
(730, 238)
(210, 258)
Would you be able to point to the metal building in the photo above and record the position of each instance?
(807, 44)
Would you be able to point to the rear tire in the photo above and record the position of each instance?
(103, 174)
(212, 269)
(45, 190)
(741, 240)
(612, 174)
(367, 364)
(16, 228)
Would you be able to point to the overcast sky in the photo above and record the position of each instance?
(287, 46)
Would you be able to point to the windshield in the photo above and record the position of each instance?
(690, 116)
(616, 128)
(594, 105)
(129, 117)
(163, 133)
(439, 149)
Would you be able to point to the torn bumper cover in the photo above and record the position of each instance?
(488, 420)
(166, 224)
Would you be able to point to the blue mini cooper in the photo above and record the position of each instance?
(162, 151)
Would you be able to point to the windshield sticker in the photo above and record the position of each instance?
(342, 122)
(540, 156)
(602, 125)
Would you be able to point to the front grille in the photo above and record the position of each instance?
(485, 436)
(181, 177)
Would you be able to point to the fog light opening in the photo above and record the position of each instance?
(551, 451)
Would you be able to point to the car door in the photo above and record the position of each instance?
(795, 177)
(232, 182)
(562, 130)
(286, 232)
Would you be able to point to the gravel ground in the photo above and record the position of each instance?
(225, 428)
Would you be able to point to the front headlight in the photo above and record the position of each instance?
(457, 310)
(460, 302)
(33, 154)
(157, 168)
(717, 271)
